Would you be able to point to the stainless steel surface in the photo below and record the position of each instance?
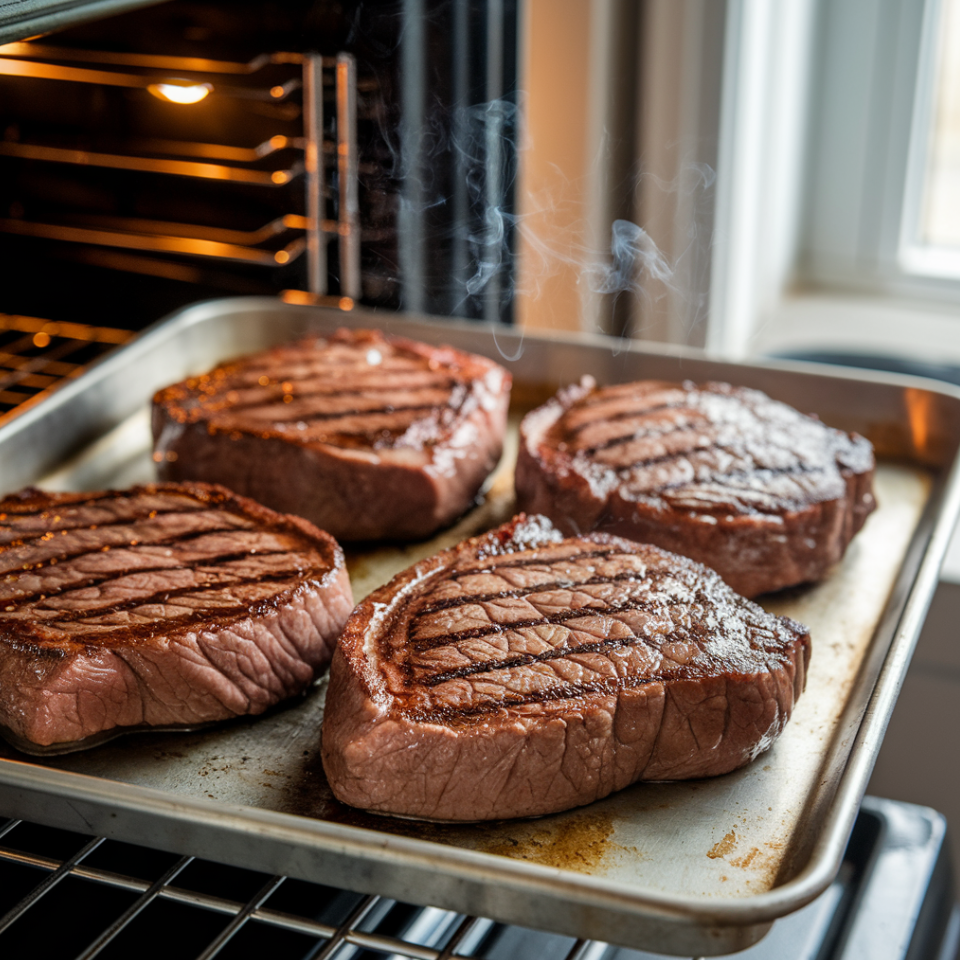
(42, 51)
(414, 197)
(349, 212)
(143, 901)
(494, 171)
(32, 17)
(40, 70)
(316, 174)
(696, 868)
(192, 246)
(61, 872)
(178, 168)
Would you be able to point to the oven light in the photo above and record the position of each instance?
(180, 91)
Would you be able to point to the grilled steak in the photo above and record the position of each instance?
(521, 673)
(766, 496)
(365, 435)
(166, 605)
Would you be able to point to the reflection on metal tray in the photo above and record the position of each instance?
(698, 867)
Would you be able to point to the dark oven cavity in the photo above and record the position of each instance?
(328, 151)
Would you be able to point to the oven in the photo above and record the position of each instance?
(348, 157)
(330, 153)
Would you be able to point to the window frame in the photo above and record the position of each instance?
(877, 64)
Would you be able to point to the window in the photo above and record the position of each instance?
(930, 234)
(844, 233)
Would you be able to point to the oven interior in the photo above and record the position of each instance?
(199, 148)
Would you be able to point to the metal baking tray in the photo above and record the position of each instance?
(699, 867)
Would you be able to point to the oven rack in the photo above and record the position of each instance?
(296, 919)
(331, 197)
(37, 355)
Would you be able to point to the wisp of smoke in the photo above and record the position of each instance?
(631, 264)
(633, 257)
(481, 140)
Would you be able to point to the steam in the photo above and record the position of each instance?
(474, 215)
(627, 263)
(633, 255)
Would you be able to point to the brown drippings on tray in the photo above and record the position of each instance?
(578, 841)
(580, 844)
(762, 863)
(723, 847)
(745, 861)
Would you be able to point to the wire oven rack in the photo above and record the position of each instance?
(113, 899)
(331, 199)
(36, 355)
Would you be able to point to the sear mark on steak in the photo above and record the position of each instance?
(366, 435)
(168, 605)
(521, 673)
(766, 496)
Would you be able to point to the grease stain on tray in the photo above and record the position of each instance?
(580, 844)
(745, 861)
(723, 847)
(762, 862)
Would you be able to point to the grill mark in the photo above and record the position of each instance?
(444, 383)
(532, 562)
(798, 469)
(636, 435)
(201, 613)
(163, 541)
(525, 659)
(655, 461)
(666, 458)
(475, 633)
(129, 521)
(541, 696)
(108, 578)
(322, 357)
(122, 634)
(607, 685)
(625, 414)
(454, 602)
(599, 394)
(316, 417)
(73, 505)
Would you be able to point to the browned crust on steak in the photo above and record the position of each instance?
(520, 674)
(766, 496)
(368, 436)
(164, 605)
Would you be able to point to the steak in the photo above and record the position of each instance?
(366, 435)
(521, 673)
(765, 495)
(167, 605)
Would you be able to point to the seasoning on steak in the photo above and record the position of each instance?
(366, 435)
(167, 605)
(521, 673)
(765, 495)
